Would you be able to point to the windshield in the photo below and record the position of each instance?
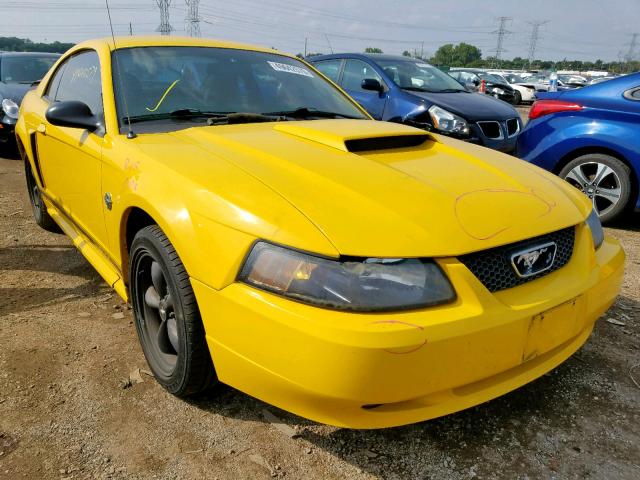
(490, 78)
(414, 75)
(25, 68)
(161, 80)
(513, 78)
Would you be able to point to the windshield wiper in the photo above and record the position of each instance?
(306, 112)
(211, 118)
(180, 113)
(444, 90)
(418, 89)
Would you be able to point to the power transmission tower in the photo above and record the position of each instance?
(501, 32)
(165, 27)
(533, 40)
(192, 19)
(631, 53)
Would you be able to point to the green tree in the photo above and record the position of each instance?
(14, 44)
(461, 55)
(373, 50)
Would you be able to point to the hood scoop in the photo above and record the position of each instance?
(356, 135)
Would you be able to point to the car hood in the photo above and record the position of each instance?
(471, 106)
(14, 91)
(440, 198)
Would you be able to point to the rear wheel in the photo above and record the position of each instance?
(604, 179)
(40, 214)
(166, 315)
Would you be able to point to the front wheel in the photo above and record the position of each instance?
(517, 98)
(166, 315)
(604, 179)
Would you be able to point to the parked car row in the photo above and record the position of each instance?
(560, 136)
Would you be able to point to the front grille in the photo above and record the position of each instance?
(493, 267)
(513, 126)
(491, 129)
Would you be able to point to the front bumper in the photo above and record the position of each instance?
(504, 143)
(381, 370)
(7, 129)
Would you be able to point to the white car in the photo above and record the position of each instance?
(525, 92)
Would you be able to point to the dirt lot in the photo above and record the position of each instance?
(67, 409)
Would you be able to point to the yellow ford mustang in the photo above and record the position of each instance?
(271, 236)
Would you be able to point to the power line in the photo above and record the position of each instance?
(192, 20)
(165, 27)
(631, 53)
(533, 40)
(501, 32)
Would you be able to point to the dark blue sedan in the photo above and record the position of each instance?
(591, 138)
(407, 90)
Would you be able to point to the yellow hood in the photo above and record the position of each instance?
(440, 198)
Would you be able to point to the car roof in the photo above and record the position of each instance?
(363, 56)
(29, 54)
(168, 41)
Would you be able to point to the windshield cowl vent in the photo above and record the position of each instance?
(385, 143)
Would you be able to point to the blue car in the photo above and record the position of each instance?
(407, 90)
(591, 138)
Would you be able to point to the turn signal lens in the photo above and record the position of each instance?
(596, 229)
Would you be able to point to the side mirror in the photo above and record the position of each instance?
(72, 114)
(476, 82)
(372, 84)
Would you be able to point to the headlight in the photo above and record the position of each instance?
(10, 108)
(596, 229)
(372, 284)
(498, 91)
(448, 122)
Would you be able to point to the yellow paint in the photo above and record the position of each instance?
(215, 190)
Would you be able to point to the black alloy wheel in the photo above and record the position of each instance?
(166, 314)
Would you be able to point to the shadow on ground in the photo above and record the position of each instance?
(35, 264)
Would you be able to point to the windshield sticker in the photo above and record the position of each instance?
(283, 67)
(422, 65)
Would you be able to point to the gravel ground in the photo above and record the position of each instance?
(73, 403)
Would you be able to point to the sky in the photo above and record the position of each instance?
(576, 29)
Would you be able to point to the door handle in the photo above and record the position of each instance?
(42, 128)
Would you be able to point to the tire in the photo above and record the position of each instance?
(517, 97)
(597, 173)
(40, 214)
(166, 315)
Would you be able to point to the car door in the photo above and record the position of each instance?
(70, 158)
(354, 72)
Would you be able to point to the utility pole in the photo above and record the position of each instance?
(305, 47)
(165, 27)
(130, 29)
(631, 53)
(422, 51)
(533, 39)
(192, 20)
(501, 32)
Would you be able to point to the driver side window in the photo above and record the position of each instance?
(79, 79)
(355, 71)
